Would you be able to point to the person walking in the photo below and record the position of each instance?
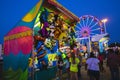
(101, 58)
(92, 65)
(60, 66)
(113, 63)
(67, 67)
(79, 56)
(96, 52)
(74, 61)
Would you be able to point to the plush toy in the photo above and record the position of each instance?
(35, 59)
(71, 31)
(72, 41)
(48, 43)
(58, 22)
(41, 59)
(51, 45)
(51, 18)
(44, 16)
(41, 55)
(30, 62)
(40, 48)
(64, 33)
(38, 41)
(39, 38)
(52, 29)
(43, 20)
(43, 31)
(57, 33)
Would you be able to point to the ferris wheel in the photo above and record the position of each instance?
(89, 26)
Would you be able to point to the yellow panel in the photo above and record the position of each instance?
(30, 16)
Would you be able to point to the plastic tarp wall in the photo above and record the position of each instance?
(18, 46)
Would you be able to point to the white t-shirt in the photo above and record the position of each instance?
(86, 55)
(96, 54)
(93, 64)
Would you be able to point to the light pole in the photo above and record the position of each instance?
(104, 21)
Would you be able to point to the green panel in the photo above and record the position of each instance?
(15, 75)
(46, 74)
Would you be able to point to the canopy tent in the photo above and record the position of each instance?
(11, 12)
(18, 45)
(18, 42)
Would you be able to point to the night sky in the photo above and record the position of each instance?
(11, 11)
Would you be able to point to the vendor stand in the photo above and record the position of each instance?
(52, 24)
(52, 30)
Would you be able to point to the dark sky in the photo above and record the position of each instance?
(101, 9)
(11, 11)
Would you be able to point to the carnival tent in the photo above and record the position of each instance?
(11, 12)
(18, 42)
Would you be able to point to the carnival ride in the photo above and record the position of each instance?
(88, 27)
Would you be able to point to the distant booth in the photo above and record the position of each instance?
(100, 42)
(36, 41)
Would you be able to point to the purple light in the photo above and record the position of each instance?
(85, 31)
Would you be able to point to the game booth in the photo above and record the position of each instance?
(100, 42)
(32, 46)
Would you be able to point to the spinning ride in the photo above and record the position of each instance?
(88, 27)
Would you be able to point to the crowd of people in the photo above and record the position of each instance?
(93, 64)
(113, 61)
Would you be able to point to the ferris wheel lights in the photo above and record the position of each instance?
(104, 20)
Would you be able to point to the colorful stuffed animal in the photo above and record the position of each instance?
(43, 32)
(44, 16)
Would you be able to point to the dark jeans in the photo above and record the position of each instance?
(114, 73)
(94, 74)
(79, 71)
